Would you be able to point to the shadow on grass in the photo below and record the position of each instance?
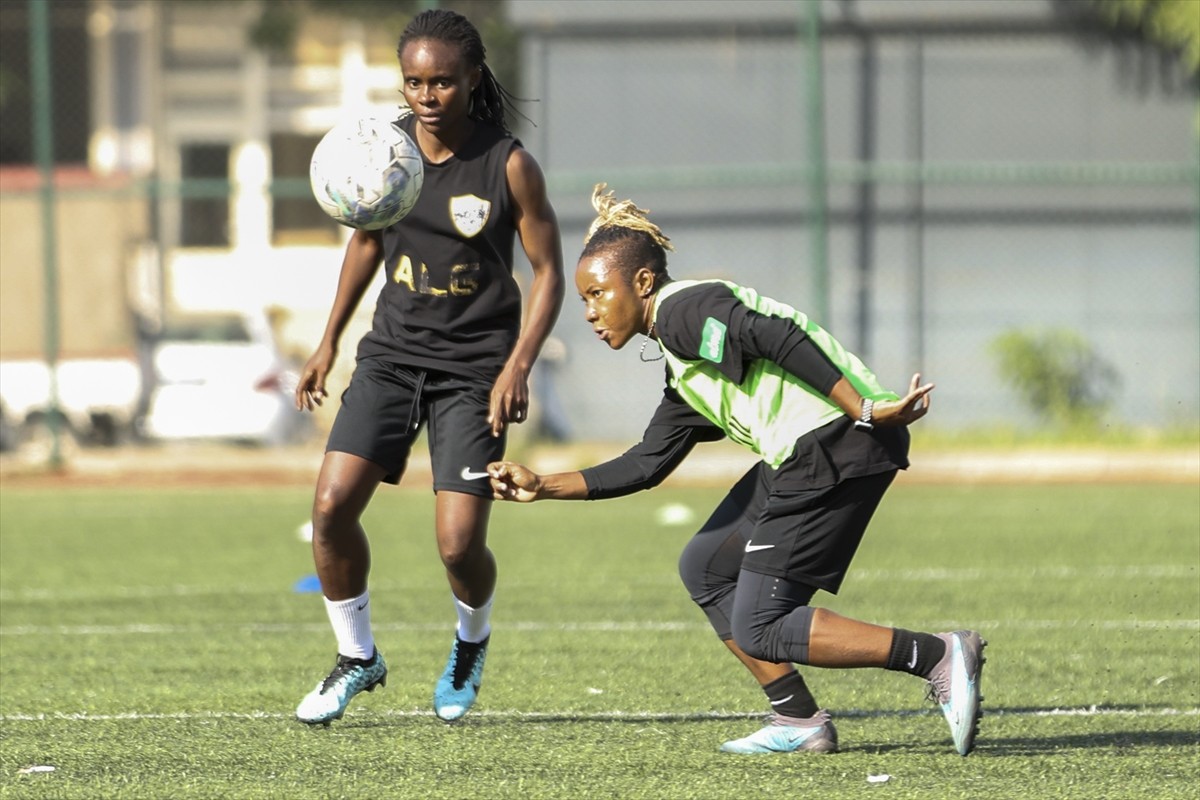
(484, 719)
(1116, 740)
(1119, 742)
(1107, 740)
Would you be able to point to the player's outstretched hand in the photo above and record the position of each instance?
(906, 410)
(514, 482)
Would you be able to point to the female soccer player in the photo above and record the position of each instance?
(831, 439)
(447, 353)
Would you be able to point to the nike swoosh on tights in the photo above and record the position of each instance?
(468, 475)
(750, 548)
(913, 663)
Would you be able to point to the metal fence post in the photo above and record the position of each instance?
(43, 147)
(818, 174)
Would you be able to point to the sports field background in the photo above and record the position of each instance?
(152, 645)
(930, 176)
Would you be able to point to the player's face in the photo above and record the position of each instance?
(615, 308)
(437, 83)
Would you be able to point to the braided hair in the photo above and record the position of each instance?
(626, 231)
(490, 101)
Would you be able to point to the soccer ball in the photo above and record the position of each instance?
(366, 173)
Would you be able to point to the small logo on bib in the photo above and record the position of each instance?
(469, 213)
(712, 340)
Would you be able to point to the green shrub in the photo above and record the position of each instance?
(1058, 374)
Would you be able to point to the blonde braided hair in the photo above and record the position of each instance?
(611, 212)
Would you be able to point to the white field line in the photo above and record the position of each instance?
(597, 716)
(1135, 572)
(1139, 572)
(602, 626)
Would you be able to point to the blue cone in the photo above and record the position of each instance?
(307, 584)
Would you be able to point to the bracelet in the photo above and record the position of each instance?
(864, 421)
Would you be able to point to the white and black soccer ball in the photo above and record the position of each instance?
(366, 173)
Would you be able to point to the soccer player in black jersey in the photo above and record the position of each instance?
(448, 354)
(831, 438)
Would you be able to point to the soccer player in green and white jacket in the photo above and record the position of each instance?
(831, 440)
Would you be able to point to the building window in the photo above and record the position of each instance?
(70, 88)
(298, 219)
(204, 202)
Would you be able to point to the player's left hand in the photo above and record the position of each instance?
(906, 410)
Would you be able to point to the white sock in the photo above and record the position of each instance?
(351, 621)
(474, 624)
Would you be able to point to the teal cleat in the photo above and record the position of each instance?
(350, 676)
(954, 685)
(789, 735)
(458, 688)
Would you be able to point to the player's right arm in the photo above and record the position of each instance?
(511, 481)
(363, 256)
(672, 433)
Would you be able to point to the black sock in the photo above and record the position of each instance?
(790, 696)
(915, 653)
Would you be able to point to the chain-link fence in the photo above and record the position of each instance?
(923, 178)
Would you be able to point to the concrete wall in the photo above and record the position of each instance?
(100, 226)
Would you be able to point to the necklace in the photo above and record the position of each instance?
(650, 338)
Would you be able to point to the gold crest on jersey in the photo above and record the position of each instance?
(470, 213)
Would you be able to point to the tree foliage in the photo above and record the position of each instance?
(278, 24)
(1172, 26)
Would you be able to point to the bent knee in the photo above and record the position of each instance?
(783, 638)
(330, 508)
(709, 565)
(462, 553)
(696, 579)
(454, 558)
(751, 641)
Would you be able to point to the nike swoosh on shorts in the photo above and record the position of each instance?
(468, 475)
(750, 548)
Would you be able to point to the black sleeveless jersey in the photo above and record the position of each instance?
(450, 301)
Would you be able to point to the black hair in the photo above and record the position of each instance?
(490, 102)
(631, 250)
(623, 229)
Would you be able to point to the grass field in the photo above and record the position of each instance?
(152, 646)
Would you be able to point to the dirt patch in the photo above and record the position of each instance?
(716, 465)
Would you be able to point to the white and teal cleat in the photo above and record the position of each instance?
(954, 686)
(458, 688)
(787, 735)
(350, 676)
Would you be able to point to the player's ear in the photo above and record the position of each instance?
(643, 282)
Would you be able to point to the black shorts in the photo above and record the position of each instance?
(807, 536)
(387, 406)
